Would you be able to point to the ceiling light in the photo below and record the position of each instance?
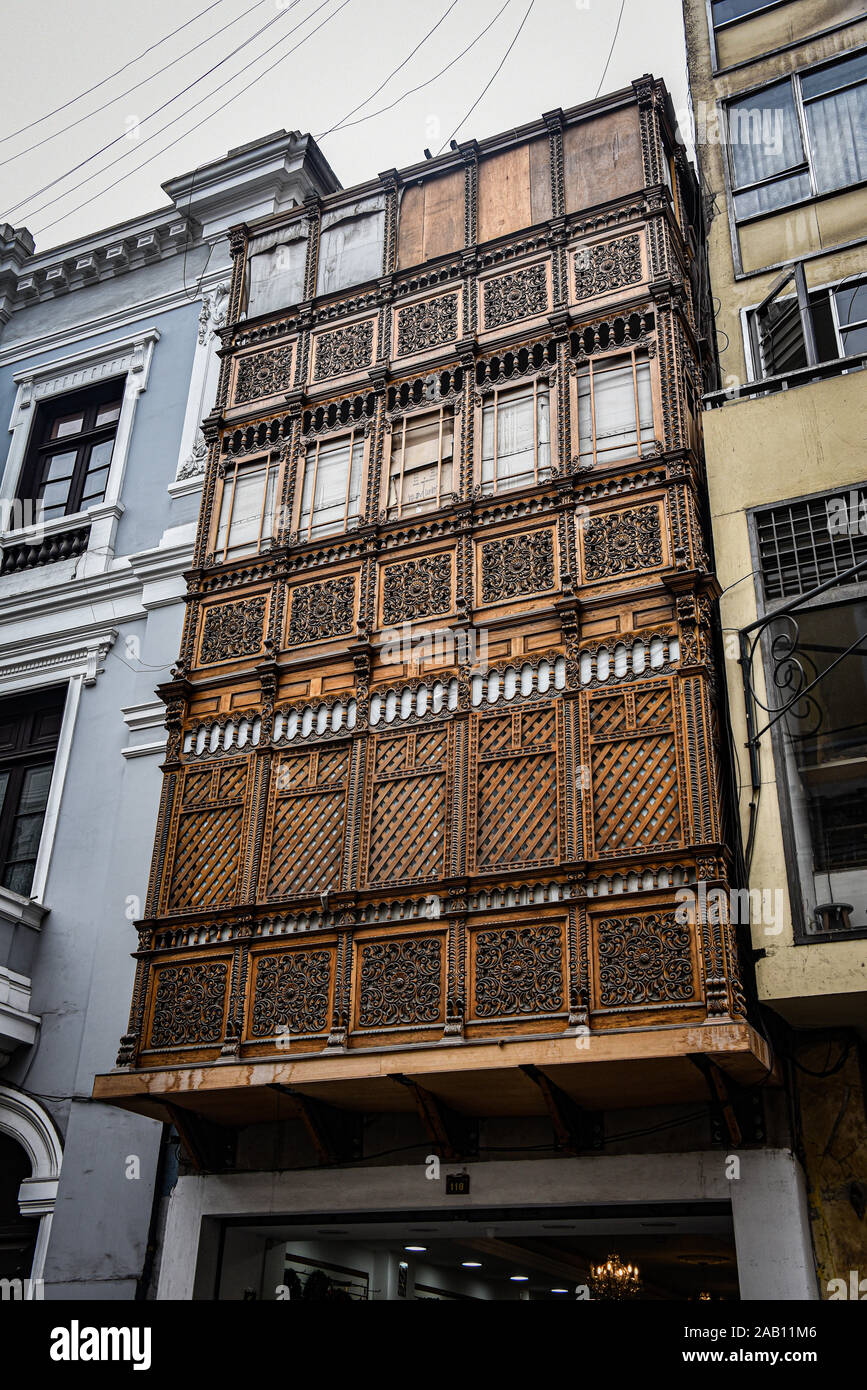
(518, 1278)
(471, 1264)
(415, 1249)
(559, 1290)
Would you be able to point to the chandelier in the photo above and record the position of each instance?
(614, 1279)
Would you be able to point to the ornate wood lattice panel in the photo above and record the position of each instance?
(292, 993)
(636, 801)
(400, 983)
(233, 630)
(205, 851)
(303, 846)
(622, 542)
(644, 959)
(517, 789)
(321, 611)
(188, 1005)
(517, 971)
(406, 814)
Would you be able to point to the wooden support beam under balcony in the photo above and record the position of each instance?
(596, 1071)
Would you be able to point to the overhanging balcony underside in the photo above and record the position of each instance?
(617, 1070)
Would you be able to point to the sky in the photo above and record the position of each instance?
(60, 183)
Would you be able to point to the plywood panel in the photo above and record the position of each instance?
(431, 219)
(504, 193)
(602, 159)
(541, 204)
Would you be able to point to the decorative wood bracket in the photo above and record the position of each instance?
(209, 1147)
(335, 1134)
(453, 1136)
(737, 1114)
(576, 1130)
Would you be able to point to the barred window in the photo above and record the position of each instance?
(804, 543)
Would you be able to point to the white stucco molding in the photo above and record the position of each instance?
(128, 357)
(193, 452)
(25, 1121)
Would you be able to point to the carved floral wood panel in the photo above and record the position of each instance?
(517, 565)
(517, 971)
(644, 959)
(618, 543)
(608, 266)
(400, 982)
(292, 993)
(345, 350)
(427, 324)
(321, 611)
(264, 374)
(417, 589)
(520, 295)
(189, 1004)
(233, 630)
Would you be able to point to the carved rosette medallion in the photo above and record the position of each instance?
(518, 970)
(292, 994)
(346, 350)
(612, 265)
(427, 325)
(418, 589)
(517, 565)
(233, 630)
(516, 296)
(189, 1005)
(263, 374)
(321, 611)
(644, 960)
(619, 542)
(400, 983)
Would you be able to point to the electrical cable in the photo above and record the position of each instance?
(171, 100)
(443, 17)
(347, 125)
(111, 76)
(225, 104)
(496, 74)
(610, 51)
(120, 96)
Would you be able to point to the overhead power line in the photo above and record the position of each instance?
(610, 51)
(117, 72)
(494, 77)
(171, 100)
(347, 124)
(443, 17)
(258, 77)
(112, 101)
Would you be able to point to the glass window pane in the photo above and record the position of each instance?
(60, 466)
(100, 455)
(724, 10)
(772, 196)
(838, 137)
(249, 493)
(854, 69)
(645, 402)
(56, 494)
(763, 134)
(18, 878)
(4, 783)
(616, 433)
(855, 341)
(852, 303)
(107, 414)
(515, 439)
(335, 500)
(67, 424)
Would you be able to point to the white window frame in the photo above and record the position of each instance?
(123, 357)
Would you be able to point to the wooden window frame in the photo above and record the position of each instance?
(314, 443)
(25, 753)
(638, 356)
(42, 448)
(536, 383)
(395, 438)
(270, 463)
